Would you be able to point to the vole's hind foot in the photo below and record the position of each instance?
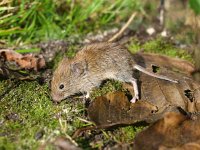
(136, 92)
(134, 99)
(87, 95)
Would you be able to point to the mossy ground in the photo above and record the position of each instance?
(29, 118)
(27, 110)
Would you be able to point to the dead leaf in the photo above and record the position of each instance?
(6, 73)
(175, 131)
(27, 61)
(185, 94)
(115, 108)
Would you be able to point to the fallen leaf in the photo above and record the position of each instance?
(115, 108)
(184, 94)
(175, 131)
(26, 61)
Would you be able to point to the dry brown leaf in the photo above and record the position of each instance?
(115, 108)
(27, 61)
(174, 132)
(185, 94)
(6, 73)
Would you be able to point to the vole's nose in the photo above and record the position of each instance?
(56, 98)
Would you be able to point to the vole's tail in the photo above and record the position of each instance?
(140, 68)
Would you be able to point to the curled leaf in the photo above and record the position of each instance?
(26, 61)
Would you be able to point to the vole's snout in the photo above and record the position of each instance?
(56, 98)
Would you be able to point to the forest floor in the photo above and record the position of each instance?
(30, 120)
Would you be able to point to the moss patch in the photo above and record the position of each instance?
(108, 86)
(27, 110)
(161, 46)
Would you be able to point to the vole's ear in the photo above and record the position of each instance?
(79, 68)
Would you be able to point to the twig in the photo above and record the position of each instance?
(118, 34)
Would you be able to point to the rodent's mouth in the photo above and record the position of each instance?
(57, 98)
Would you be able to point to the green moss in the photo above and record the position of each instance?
(117, 135)
(98, 139)
(125, 134)
(134, 46)
(28, 109)
(109, 86)
(161, 46)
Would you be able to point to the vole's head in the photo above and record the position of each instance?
(68, 79)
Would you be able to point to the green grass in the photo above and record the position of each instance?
(30, 50)
(34, 20)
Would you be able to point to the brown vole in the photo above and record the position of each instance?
(93, 64)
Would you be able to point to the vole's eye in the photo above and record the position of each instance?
(61, 86)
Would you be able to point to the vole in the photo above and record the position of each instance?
(93, 64)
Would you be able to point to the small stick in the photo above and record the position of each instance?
(118, 34)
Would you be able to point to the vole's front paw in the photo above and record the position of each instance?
(134, 99)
